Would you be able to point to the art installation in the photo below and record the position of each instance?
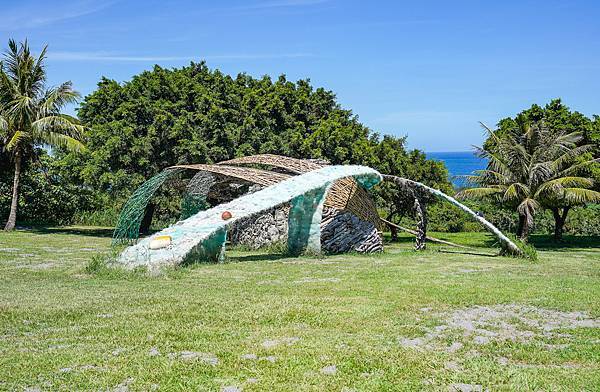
(226, 181)
(203, 236)
(308, 204)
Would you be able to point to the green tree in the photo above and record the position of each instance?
(30, 113)
(560, 118)
(164, 117)
(533, 166)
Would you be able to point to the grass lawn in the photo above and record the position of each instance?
(395, 321)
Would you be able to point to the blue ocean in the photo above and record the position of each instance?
(459, 164)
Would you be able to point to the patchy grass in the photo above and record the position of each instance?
(400, 320)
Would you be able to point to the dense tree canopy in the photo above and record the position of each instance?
(194, 114)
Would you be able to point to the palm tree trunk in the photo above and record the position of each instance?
(559, 222)
(524, 236)
(12, 217)
(521, 225)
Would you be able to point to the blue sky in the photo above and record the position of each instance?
(426, 69)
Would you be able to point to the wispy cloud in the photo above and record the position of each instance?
(105, 56)
(281, 4)
(34, 15)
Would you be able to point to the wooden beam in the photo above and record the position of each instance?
(432, 239)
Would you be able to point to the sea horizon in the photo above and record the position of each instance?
(458, 163)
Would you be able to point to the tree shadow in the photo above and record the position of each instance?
(257, 257)
(105, 232)
(400, 240)
(547, 242)
(466, 252)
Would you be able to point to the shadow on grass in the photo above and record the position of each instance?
(72, 230)
(466, 252)
(257, 257)
(547, 242)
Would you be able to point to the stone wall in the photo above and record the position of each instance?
(340, 231)
(262, 230)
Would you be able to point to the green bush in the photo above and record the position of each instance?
(44, 198)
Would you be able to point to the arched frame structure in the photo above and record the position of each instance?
(202, 236)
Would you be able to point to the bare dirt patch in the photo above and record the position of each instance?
(517, 323)
(188, 356)
(288, 341)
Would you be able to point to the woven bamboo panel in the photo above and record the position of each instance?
(297, 166)
(346, 195)
(255, 176)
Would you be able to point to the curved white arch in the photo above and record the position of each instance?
(202, 236)
(505, 243)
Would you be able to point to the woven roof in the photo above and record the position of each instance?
(344, 194)
(255, 176)
(294, 165)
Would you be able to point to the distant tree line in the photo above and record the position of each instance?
(542, 161)
(164, 117)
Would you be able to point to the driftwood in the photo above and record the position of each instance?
(428, 238)
(344, 232)
(421, 215)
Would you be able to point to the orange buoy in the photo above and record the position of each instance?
(226, 215)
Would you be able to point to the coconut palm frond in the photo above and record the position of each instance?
(72, 119)
(576, 168)
(60, 140)
(17, 138)
(478, 193)
(581, 196)
(8, 84)
(487, 176)
(57, 124)
(540, 172)
(515, 191)
(568, 156)
(57, 97)
(38, 73)
(569, 140)
(11, 59)
(21, 106)
(497, 164)
(558, 185)
(487, 129)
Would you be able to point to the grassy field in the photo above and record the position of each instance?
(435, 320)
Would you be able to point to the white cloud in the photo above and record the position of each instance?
(34, 15)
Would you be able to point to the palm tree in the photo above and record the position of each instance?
(30, 113)
(532, 167)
